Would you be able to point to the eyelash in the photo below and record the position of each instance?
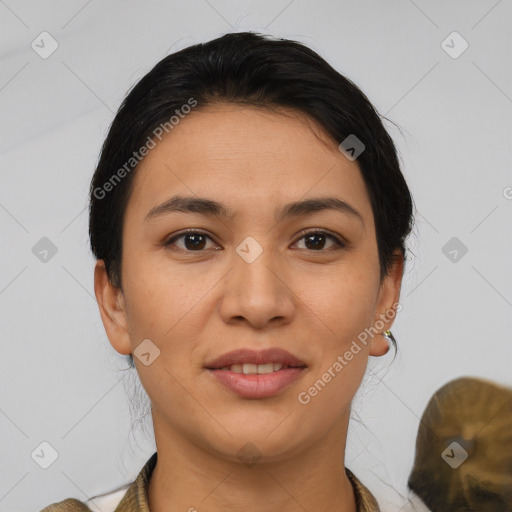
(339, 243)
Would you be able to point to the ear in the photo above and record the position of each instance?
(112, 309)
(389, 295)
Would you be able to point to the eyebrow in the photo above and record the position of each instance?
(209, 207)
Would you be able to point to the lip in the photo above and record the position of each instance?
(270, 355)
(257, 385)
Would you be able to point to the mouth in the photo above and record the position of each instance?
(251, 374)
(256, 369)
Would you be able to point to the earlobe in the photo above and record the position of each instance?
(379, 345)
(112, 310)
(389, 296)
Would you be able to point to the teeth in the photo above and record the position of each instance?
(251, 369)
(263, 368)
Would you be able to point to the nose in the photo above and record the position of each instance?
(258, 292)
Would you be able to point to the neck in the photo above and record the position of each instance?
(188, 477)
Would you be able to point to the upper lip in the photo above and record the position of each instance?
(241, 356)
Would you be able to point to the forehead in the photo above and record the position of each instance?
(245, 129)
(241, 153)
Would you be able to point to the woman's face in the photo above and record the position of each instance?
(252, 279)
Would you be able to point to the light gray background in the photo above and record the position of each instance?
(58, 377)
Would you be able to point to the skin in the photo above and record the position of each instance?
(196, 305)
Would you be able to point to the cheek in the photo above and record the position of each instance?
(330, 388)
(155, 300)
(345, 308)
(344, 304)
(166, 309)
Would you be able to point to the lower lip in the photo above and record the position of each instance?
(258, 385)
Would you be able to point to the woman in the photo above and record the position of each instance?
(248, 216)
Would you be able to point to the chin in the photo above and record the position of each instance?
(268, 441)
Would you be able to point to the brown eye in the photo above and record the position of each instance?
(192, 241)
(316, 240)
(196, 241)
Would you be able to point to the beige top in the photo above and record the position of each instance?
(136, 498)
